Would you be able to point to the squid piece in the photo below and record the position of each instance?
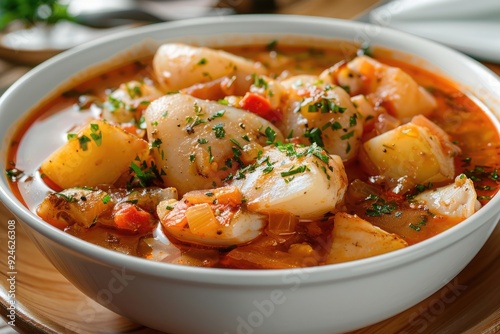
(420, 151)
(213, 218)
(324, 114)
(385, 85)
(200, 144)
(98, 154)
(303, 181)
(179, 66)
(457, 200)
(80, 206)
(354, 238)
(125, 104)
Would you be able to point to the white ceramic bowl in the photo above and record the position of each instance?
(327, 299)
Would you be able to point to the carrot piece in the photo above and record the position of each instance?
(224, 195)
(259, 105)
(131, 218)
(228, 195)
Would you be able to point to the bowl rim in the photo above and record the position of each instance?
(221, 276)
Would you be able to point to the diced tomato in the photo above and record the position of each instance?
(131, 218)
(130, 128)
(391, 196)
(389, 107)
(261, 106)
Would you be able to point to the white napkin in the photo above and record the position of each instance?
(471, 26)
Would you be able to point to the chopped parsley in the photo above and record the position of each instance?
(353, 120)
(294, 170)
(156, 143)
(84, 140)
(418, 226)
(271, 135)
(483, 198)
(144, 174)
(380, 206)
(14, 174)
(210, 156)
(95, 134)
(106, 199)
(268, 169)
(72, 136)
(114, 104)
(133, 91)
(314, 136)
(365, 50)
(219, 130)
(271, 46)
(197, 109)
(336, 126)
(480, 173)
(419, 188)
(347, 135)
(259, 82)
(218, 114)
(325, 106)
(235, 142)
(192, 122)
(68, 199)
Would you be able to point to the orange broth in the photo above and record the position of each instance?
(468, 125)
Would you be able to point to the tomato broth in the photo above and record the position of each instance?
(368, 196)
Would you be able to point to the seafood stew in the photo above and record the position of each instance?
(258, 157)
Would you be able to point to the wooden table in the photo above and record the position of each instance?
(470, 303)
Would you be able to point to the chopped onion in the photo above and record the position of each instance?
(201, 218)
(282, 223)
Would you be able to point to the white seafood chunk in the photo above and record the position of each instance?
(126, 103)
(199, 143)
(303, 181)
(387, 85)
(457, 200)
(354, 238)
(324, 114)
(179, 66)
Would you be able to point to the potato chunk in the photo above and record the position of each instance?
(457, 200)
(98, 154)
(419, 150)
(74, 206)
(355, 238)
